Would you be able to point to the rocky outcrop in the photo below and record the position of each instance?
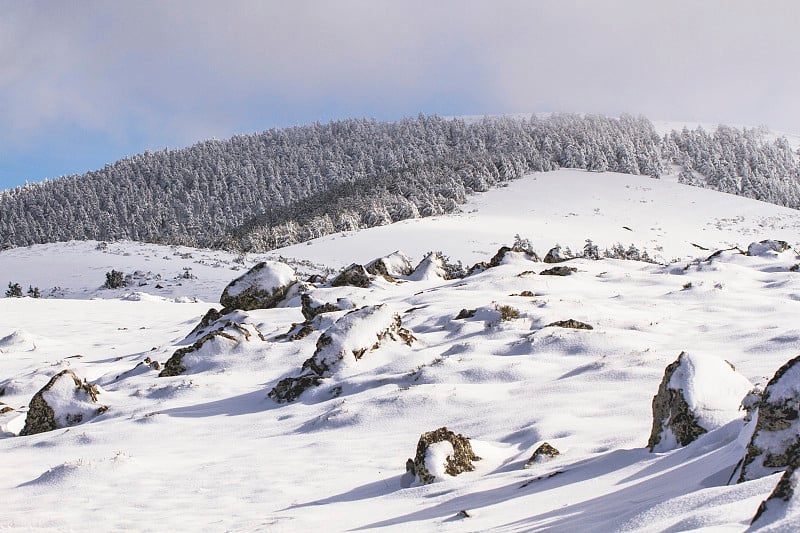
(348, 339)
(775, 443)
(65, 401)
(569, 323)
(391, 267)
(543, 452)
(698, 393)
(355, 276)
(558, 271)
(263, 287)
(232, 332)
(767, 247)
(441, 452)
(500, 256)
(211, 316)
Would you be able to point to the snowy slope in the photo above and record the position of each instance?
(209, 450)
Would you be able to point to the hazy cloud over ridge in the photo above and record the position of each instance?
(84, 83)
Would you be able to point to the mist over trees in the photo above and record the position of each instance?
(283, 186)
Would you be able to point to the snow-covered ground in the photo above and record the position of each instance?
(208, 449)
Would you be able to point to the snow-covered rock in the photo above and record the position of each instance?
(392, 266)
(348, 339)
(226, 334)
(767, 247)
(781, 511)
(559, 271)
(441, 453)
(436, 265)
(264, 286)
(542, 453)
(355, 275)
(699, 393)
(555, 255)
(776, 439)
(65, 401)
(312, 306)
(18, 341)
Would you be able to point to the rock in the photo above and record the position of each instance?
(465, 313)
(569, 323)
(312, 307)
(211, 316)
(543, 452)
(776, 510)
(233, 332)
(767, 247)
(436, 265)
(263, 287)
(775, 443)
(795, 268)
(391, 267)
(65, 401)
(698, 394)
(355, 275)
(558, 271)
(554, 255)
(5, 408)
(348, 339)
(432, 460)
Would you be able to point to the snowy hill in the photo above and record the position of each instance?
(507, 357)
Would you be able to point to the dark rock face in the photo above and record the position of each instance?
(558, 271)
(671, 412)
(311, 308)
(775, 443)
(554, 255)
(230, 330)
(263, 287)
(43, 417)
(343, 339)
(354, 275)
(465, 313)
(211, 316)
(460, 461)
(545, 451)
(784, 492)
(570, 323)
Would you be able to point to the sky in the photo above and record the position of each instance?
(83, 84)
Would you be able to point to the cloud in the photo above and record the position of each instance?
(173, 72)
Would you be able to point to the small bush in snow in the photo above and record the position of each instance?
(507, 312)
(14, 290)
(34, 292)
(114, 280)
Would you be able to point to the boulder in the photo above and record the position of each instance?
(767, 247)
(348, 339)
(775, 443)
(554, 255)
(441, 452)
(263, 287)
(391, 267)
(569, 323)
(543, 452)
(65, 401)
(312, 307)
(698, 393)
(355, 275)
(558, 271)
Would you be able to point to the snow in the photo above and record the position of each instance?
(210, 450)
(436, 459)
(69, 404)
